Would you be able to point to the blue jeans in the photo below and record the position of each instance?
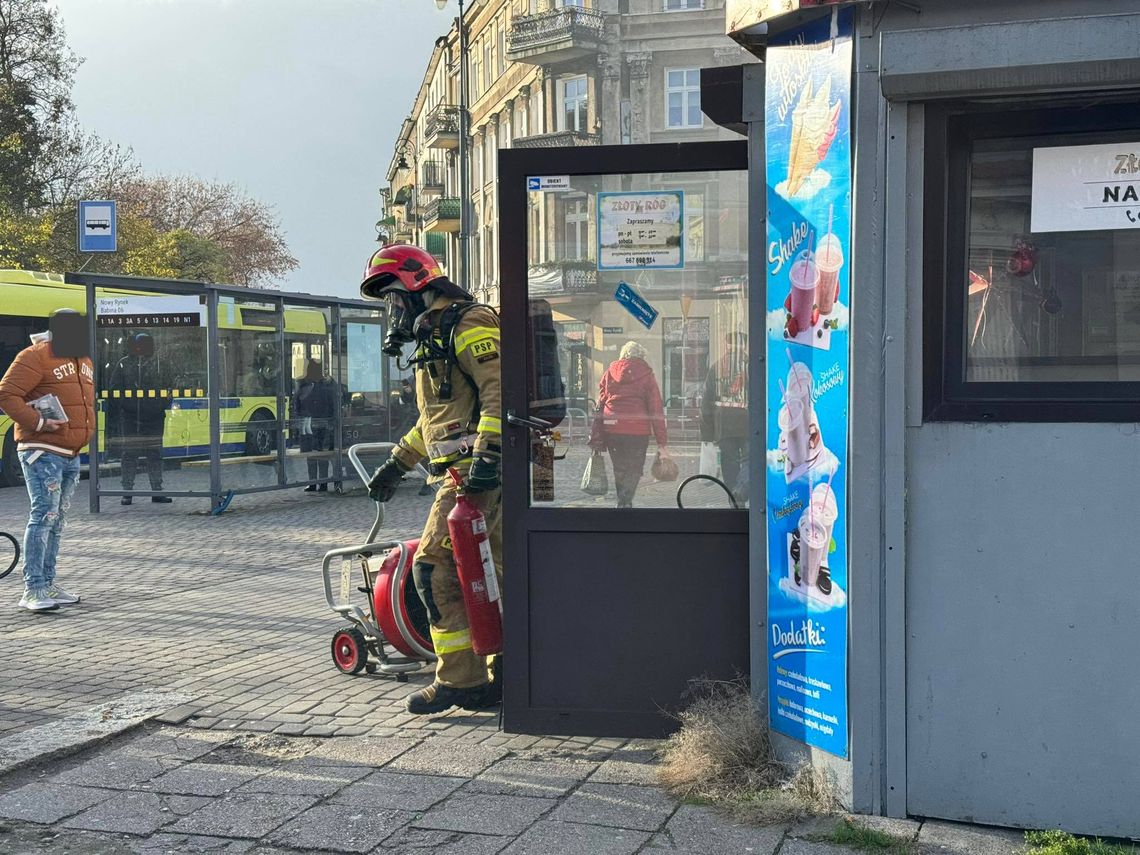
(51, 480)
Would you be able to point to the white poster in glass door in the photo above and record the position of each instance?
(1086, 188)
(641, 230)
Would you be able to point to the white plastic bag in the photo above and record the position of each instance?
(709, 459)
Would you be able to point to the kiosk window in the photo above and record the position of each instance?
(1034, 266)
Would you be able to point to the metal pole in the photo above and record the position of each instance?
(213, 354)
(93, 446)
(336, 366)
(284, 374)
(464, 165)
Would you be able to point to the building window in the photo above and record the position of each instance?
(581, 4)
(577, 244)
(476, 253)
(683, 98)
(488, 63)
(476, 78)
(476, 157)
(575, 104)
(502, 41)
(1032, 280)
(683, 5)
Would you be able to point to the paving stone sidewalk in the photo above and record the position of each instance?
(164, 789)
(273, 750)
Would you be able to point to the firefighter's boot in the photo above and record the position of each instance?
(437, 698)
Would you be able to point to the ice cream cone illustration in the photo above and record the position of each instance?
(814, 124)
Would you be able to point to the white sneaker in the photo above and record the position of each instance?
(61, 596)
(37, 601)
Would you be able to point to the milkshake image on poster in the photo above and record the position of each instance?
(813, 549)
(805, 322)
(800, 443)
(809, 547)
(794, 427)
(829, 261)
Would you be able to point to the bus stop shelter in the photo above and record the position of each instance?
(208, 406)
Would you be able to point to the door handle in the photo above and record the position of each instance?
(528, 422)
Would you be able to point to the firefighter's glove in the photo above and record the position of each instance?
(484, 475)
(385, 480)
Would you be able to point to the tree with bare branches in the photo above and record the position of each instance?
(178, 226)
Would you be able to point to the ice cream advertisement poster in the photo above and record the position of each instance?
(808, 141)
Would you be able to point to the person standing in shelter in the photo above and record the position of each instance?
(459, 397)
(49, 392)
(314, 406)
(136, 413)
(724, 412)
(629, 412)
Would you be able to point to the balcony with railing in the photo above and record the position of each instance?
(431, 179)
(557, 139)
(559, 278)
(555, 36)
(441, 130)
(442, 215)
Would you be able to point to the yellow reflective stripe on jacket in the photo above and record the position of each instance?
(414, 439)
(450, 642)
(475, 334)
(490, 424)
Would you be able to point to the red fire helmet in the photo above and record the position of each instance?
(402, 266)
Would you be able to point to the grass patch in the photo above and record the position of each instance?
(869, 840)
(722, 756)
(1063, 843)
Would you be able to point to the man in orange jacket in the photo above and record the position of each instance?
(49, 392)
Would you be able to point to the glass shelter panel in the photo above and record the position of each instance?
(252, 392)
(643, 293)
(314, 397)
(152, 376)
(370, 390)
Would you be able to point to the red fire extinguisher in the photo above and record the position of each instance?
(472, 549)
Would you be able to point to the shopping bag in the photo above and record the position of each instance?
(664, 468)
(595, 480)
(709, 462)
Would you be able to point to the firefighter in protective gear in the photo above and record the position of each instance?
(458, 393)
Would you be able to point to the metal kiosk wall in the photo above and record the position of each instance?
(634, 260)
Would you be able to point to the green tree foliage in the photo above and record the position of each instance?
(179, 226)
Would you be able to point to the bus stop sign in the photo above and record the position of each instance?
(98, 227)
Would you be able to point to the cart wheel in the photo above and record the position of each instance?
(371, 667)
(349, 651)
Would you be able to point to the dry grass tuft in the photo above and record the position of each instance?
(722, 756)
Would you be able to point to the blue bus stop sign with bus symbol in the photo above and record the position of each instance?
(98, 227)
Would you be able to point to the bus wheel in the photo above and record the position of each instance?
(261, 434)
(12, 475)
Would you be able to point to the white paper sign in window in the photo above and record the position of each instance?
(1086, 188)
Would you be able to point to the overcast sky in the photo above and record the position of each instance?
(299, 101)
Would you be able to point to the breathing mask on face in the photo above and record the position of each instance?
(405, 311)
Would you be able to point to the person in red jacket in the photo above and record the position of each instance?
(629, 412)
(49, 392)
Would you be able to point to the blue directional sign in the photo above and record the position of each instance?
(98, 227)
(635, 304)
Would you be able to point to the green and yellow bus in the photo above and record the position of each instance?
(248, 360)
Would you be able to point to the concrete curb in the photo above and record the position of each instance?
(82, 730)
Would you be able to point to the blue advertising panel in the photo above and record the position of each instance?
(98, 227)
(807, 134)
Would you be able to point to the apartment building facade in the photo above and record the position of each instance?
(547, 73)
